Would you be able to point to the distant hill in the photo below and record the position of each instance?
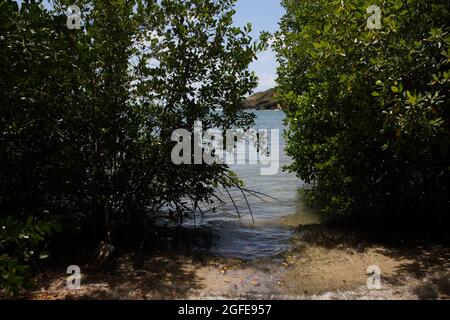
(262, 101)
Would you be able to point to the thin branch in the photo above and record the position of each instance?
(260, 193)
(232, 200)
(248, 204)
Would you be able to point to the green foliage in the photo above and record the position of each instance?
(368, 109)
(20, 243)
(87, 114)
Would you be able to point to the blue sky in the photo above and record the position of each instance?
(264, 16)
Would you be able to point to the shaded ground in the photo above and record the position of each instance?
(335, 258)
(325, 262)
(163, 277)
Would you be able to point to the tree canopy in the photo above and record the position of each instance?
(87, 115)
(368, 111)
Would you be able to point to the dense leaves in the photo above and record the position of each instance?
(369, 112)
(87, 114)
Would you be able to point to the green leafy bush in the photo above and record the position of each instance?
(87, 114)
(368, 112)
(21, 242)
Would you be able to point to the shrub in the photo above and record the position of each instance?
(21, 242)
(368, 109)
(87, 114)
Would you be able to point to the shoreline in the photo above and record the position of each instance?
(314, 268)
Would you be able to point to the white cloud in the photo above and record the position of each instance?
(266, 81)
(265, 68)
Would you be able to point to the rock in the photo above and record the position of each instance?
(265, 100)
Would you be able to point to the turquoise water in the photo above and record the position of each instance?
(275, 220)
